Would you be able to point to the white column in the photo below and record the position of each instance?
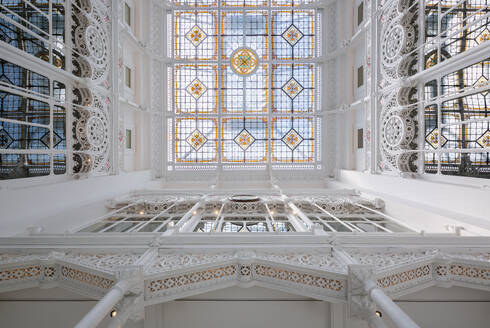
(375, 322)
(400, 318)
(363, 291)
(104, 306)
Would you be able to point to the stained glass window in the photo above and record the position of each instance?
(32, 124)
(244, 85)
(26, 26)
(463, 25)
(457, 131)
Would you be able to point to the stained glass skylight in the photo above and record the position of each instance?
(243, 85)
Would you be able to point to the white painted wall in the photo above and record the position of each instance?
(245, 314)
(236, 307)
(65, 205)
(427, 204)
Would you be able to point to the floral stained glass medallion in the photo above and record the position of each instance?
(196, 35)
(244, 61)
(292, 35)
(196, 139)
(243, 87)
(433, 138)
(292, 139)
(196, 89)
(292, 88)
(244, 139)
(484, 140)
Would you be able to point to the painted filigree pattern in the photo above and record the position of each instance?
(104, 262)
(386, 260)
(92, 60)
(85, 277)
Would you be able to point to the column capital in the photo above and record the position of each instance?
(133, 277)
(359, 283)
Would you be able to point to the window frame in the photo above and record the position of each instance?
(170, 163)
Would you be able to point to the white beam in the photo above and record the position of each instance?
(192, 223)
(297, 224)
(297, 212)
(183, 220)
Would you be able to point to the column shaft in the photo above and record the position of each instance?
(102, 308)
(400, 318)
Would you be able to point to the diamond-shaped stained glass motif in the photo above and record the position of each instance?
(481, 82)
(56, 139)
(196, 139)
(5, 139)
(292, 88)
(244, 139)
(196, 35)
(292, 139)
(196, 89)
(292, 35)
(433, 139)
(484, 140)
(483, 36)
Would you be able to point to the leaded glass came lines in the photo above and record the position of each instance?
(464, 25)
(465, 123)
(238, 96)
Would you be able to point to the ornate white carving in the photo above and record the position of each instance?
(173, 273)
(398, 124)
(110, 263)
(171, 262)
(359, 302)
(406, 279)
(389, 259)
(179, 284)
(311, 259)
(92, 60)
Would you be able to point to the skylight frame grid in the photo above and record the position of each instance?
(230, 99)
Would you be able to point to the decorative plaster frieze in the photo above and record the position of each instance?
(406, 279)
(106, 262)
(292, 278)
(391, 258)
(172, 286)
(312, 259)
(85, 278)
(317, 273)
(179, 261)
(20, 273)
(191, 280)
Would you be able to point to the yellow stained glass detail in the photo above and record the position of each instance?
(481, 82)
(244, 61)
(433, 138)
(244, 139)
(292, 88)
(292, 139)
(484, 140)
(292, 35)
(196, 140)
(196, 89)
(483, 36)
(196, 35)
